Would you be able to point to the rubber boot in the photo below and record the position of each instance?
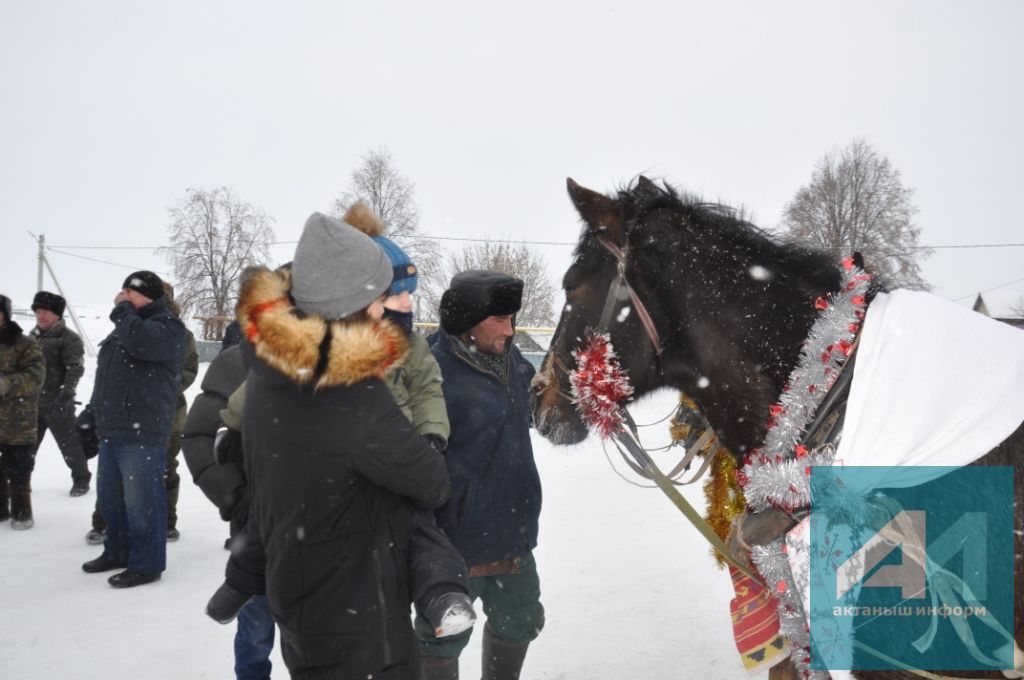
(502, 658)
(21, 506)
(439, 668)
(5, 500)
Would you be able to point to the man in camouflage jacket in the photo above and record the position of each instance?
(21, 375)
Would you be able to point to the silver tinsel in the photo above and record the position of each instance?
(777, 475)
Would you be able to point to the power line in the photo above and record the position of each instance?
(93, 259)
(568, 243)
(1003, 285)
(108, 247)
(58, 249)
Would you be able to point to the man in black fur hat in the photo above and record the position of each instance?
(493, 512)
(138, 371)
(65, 356)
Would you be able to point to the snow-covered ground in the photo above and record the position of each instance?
(629, 586)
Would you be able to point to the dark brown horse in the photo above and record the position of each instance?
(729, 308)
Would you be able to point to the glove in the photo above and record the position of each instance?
(90, 442)
(227, 446)
(65, 398)
(436, 441)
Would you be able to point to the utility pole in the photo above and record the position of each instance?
(42, 260)
(44, 263)
(71, 310)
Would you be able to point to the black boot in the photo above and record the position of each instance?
(502, 658)
(5, 500)
(225, 604)
(439, 668)
(21, 506)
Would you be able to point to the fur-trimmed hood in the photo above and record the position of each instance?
(310, 349)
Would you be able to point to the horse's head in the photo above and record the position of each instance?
(595, 302)
(728, 307)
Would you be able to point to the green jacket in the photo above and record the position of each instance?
(188, 376)
(22, 371)
(416, 386)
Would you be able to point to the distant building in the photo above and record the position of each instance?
(980, 307)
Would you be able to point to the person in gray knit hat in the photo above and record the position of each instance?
(337, 270)
(321, 432)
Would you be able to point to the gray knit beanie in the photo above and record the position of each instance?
(337, 270)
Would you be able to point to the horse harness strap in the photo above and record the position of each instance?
(627, 438)
(827, 425)
(611, 301)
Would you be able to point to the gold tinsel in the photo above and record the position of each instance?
(723, 493)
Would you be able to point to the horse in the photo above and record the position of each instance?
(716, 308)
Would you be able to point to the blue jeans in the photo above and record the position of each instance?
(254, 640)
(132, 499)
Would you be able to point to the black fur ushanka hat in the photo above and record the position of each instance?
(476, 294)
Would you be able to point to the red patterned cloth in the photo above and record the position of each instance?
(755, 624)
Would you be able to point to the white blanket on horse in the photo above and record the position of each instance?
(934, 384)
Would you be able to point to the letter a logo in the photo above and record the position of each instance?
(906, 530)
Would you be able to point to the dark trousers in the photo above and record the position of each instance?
(133, 501)
(59, 419)
(254, 640)
(172, 483)
(16, 464)
(511, 603)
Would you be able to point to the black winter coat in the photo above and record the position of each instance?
(223, 483)
(494, 510)
(332, 465)
(137, 374)
(64, 354)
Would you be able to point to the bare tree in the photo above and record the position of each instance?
(214, 236)
(379, 184)
(857, 202)
(517, 261)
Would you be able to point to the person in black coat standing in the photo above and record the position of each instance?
(493, 515)
(65, 363)
(132, 410)
(335, 469)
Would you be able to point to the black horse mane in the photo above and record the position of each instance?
(730, 228)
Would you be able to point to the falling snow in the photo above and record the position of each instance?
(677, 618)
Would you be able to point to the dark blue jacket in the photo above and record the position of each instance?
(137, 374)
(495, 503)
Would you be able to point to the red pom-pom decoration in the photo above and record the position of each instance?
(599, 384)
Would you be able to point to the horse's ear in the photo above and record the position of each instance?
(646, 184)
(597, 210)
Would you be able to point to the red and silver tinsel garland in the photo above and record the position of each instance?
(777, 475)
(599, 384)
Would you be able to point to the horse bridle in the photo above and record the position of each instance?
(612, 299)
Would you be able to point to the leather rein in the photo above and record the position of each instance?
(613, 298)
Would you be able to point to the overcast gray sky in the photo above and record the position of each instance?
(111, 109)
